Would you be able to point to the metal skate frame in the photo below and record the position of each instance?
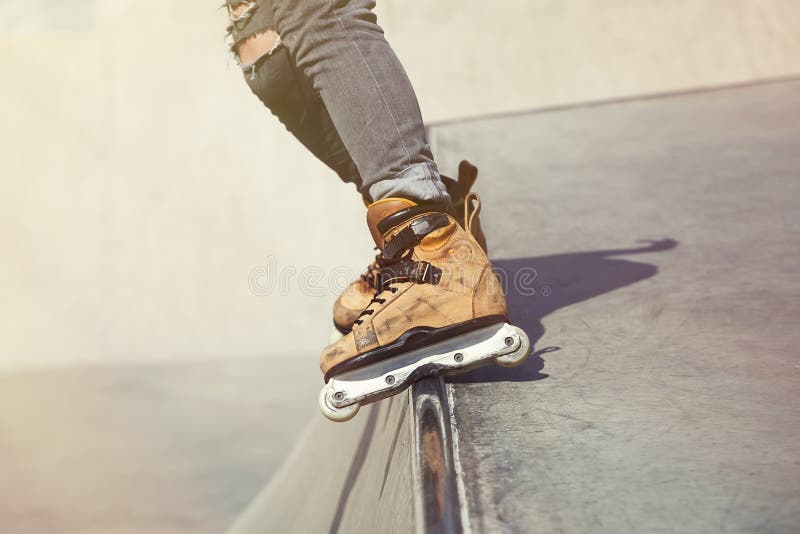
(502, 343)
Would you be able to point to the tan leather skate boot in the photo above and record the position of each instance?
(435, 282)
(357, 295)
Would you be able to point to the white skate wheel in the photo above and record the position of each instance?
(332, 412)
(516, 358)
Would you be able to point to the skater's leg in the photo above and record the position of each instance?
(342, 50)
(282, 88)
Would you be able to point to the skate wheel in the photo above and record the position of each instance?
(516, 358)
(332, 412)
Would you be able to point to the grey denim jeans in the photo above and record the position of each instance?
(337, 85)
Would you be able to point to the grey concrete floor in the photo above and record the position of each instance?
(651, 249)
(151, 448)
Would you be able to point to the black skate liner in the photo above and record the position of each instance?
(342, 330)
(418, 337)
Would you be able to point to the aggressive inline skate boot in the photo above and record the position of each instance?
(437, 308)
(357, 295)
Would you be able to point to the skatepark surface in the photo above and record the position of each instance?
(156, 371)
(156, 449)
(649, 247)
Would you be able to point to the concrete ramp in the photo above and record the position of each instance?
(388, 470)
(650, 249)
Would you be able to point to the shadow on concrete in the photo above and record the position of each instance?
(536, 287)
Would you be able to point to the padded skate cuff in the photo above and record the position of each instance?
(411, 235)
(396, 219)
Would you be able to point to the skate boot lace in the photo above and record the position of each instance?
(370, 276)
(394, 265)
(398, 271)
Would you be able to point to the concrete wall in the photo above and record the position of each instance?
(487, 57)
(141, 184)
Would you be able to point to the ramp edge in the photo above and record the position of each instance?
(439, 505)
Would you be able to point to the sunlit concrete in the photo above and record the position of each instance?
(161, 448)
(475, 57)
(650, 250)
(142, 186)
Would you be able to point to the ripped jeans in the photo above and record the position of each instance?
(335, 83)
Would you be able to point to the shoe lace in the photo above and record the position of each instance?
(370, 275)
(395, 271)
(395, 265)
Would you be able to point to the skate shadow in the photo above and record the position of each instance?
(536, 287)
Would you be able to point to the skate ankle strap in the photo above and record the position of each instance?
(418, 272)
(412, 234)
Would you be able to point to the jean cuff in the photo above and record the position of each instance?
(419, 182)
